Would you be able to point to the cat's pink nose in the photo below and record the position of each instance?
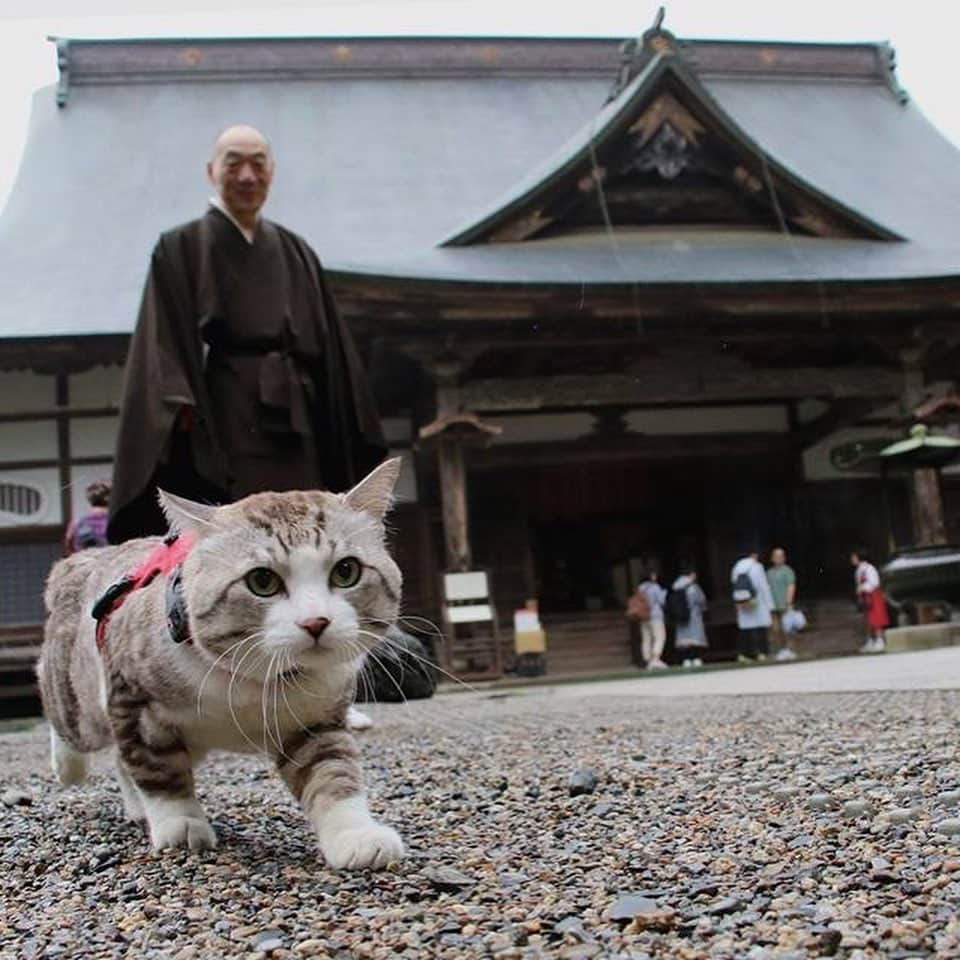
(315, 626)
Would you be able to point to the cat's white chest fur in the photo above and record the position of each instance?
(251, 716)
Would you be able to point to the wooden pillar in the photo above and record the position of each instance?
(453, 493)
(62, 399)
(453, 474)
(926, 503)
(926, 499)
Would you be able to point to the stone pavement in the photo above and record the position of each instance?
(921, 670)
(741, 813)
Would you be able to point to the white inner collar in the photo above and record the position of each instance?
(248, 234)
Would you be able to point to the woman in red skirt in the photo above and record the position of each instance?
(871, 600)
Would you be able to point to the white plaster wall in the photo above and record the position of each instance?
(673, 421)
(685, 421)
(542, 428)
(397, 430)
(93, 436)
(25, 390)
(97, 387)
(47, 482)
(32, 440)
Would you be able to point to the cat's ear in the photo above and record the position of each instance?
(185, 516)
(374, 493)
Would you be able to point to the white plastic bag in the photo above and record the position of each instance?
(794, 621)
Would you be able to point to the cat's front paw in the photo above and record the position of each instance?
(372, 845)
(192, 832)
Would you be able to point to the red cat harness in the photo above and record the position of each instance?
(166, 561)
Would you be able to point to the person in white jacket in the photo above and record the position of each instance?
(754, 603)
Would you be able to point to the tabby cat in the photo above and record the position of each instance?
(253, 644)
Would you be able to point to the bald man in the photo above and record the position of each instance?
(241, 376)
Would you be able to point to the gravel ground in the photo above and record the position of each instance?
(789, 826)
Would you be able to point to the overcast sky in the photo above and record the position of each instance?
(922, 31)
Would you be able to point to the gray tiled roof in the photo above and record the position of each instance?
(386, 150)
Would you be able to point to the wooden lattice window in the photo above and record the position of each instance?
(20, 500)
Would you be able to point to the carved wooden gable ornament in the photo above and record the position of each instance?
(663, 153)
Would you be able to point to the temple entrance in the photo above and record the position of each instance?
(596, 526)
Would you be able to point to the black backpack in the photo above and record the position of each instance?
(744, 592)
(678, 606)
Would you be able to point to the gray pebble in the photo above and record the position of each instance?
(447, 878)
(949, 798)
(726, 905)
(903, 815)
(820, 801)
(949, 827)
(582, 781)
(268, 940)
(629, 906)
(857, 808)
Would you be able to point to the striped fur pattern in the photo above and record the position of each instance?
(285, 594)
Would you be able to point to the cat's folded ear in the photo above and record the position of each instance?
(374, 493)
(185, 516)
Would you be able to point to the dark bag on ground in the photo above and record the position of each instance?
(678, 606)
(403, 669)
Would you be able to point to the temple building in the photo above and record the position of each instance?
(620, 301)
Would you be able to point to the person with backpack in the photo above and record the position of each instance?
(653, 629)
(686, 604)
(89, 529)
(754, 604)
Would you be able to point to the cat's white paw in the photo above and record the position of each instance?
(133, 810)
(179, 831)
(372, 845)
(69, 766)
(358, 720)
(132, 801)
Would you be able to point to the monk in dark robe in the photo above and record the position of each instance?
(241, 376)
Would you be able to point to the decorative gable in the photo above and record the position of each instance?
(663, 153)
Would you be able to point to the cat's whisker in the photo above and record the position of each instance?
(277, 688)
(233, 648)
(270, 685)
(405, 651)
(230, 707)
(403, 696)
(286, 699)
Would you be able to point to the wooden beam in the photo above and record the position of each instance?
(57, 412)
(704, 387)
(47, 463)
(632, 447)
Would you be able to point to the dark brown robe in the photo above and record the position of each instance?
(249, 337)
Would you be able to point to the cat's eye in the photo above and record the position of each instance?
(263, 582)
(346, 573)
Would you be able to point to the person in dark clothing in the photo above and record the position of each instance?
(241, 376)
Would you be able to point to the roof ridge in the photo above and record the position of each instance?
(169, 60)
